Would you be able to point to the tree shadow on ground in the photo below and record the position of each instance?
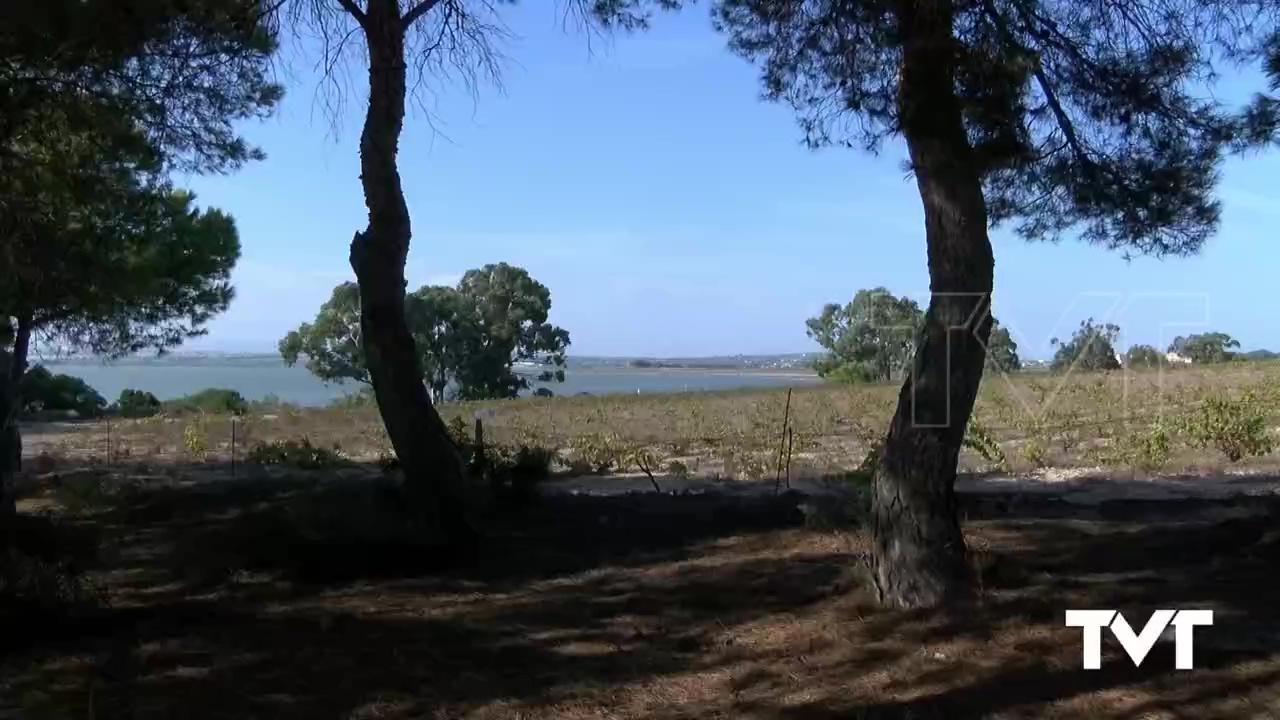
(643, 607)
(1011, 656)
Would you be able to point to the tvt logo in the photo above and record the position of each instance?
(1137, 645)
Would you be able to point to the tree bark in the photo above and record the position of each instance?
(919, 556)
(434, 472)
(13, 365)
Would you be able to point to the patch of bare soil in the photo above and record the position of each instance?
(676, 606)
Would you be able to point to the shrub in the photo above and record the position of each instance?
(678, 470)
(1236, 428)
(42, 390)
(195, 437)
(362, 398)
(1034, 452)
(507, 469)
(216, 401)
(980, 440)
(137, 404)
(514, 472)
(866, 470)
(295, 453)
(1148, 449)
(594, 453)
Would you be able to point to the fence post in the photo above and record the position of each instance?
(233, 447)
(782, 446)
(108, 423)
(479, 460)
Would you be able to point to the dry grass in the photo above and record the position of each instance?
(224, 605)
(1035, 419)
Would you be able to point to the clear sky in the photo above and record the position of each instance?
(671, 212)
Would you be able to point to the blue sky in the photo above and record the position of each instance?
(671, 212)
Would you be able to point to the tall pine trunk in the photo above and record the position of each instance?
(13, 365)
(434, 471)
(920, 558)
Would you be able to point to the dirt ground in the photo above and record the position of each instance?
(223, 601)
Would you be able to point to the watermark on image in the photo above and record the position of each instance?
(1138, 645)
(1166, 315)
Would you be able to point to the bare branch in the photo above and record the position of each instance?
(416, 12)
(353, 10)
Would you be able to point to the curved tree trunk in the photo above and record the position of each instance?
(920, 558)
(433, 469)
(13, 365)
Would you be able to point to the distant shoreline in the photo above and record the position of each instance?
(261, 376)
(587, 364)
(627, 370)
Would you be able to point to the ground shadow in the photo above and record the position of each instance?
(643, 606)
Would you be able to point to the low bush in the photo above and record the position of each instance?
(295, 453)
(507, 469)
(136, 404)
(43, 391)
(1236, 428)
(215, 401)
(362, 398)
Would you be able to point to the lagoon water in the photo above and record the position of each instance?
(258, 376)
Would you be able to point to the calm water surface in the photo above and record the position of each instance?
(256, 377)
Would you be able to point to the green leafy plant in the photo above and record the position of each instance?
(195, 437)
(1236, 428)
(42, 390)
(1145, 449)
(295, 453)
(1035, 452)
(595, 453)
(866, 470)
(980, 440)
(137, 404)
(678, 470)
(215, 401)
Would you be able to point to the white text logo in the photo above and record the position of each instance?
(1138, 645)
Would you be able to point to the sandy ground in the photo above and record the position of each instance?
(1083, 486)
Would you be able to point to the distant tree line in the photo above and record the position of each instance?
(649, 364)
(872, 339)
(44, 393)
(1092, 347)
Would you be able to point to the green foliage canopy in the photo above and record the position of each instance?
(1212, 347)
(1143, 356)
(872, 338)
(1091, 347)
(468, 336)
(101, 100)
(42, 390)
(869, 339)
(1083, 119)
(216, 401)
(137, 404)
